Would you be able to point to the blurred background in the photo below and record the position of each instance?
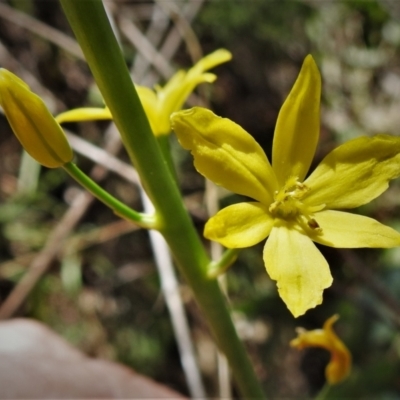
(93, 279)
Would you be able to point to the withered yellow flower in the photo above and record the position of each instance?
(32, 123)
(161, 102)
(292, 210)
(339, 365)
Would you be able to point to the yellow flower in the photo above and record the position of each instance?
(160, 103)
(32, 123)
(291, 210)
(340, 364)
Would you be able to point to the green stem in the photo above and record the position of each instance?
(163, 142)
(143, 220)
(89, 22)
(323, 392)
(217, 268)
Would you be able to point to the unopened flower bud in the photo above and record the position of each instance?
(32, 123)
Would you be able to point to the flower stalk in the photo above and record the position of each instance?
(146, 221)
(92, 29)
(217, 268)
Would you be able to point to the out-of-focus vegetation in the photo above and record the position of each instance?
(104, 295)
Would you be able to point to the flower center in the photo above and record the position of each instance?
(288, 204)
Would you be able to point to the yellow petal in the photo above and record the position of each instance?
(159, 105)
(225, 153)
(84, 114)
(239, 225)
(340, 363)
(32, 123)
(355, 172)
(181, 85)
(298, 125)
(210, 61)
(177, 96)
(151, 105)
(177, 90)
(300, 270)
(345, 230)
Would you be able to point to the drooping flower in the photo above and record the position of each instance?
(32, 123)
(161, 102)
(290, 209)
(339, 365)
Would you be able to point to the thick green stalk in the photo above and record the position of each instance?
(92, 29)
(163, 142)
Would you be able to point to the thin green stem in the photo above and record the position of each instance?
(144, 220)
(217, 268)
(323, 392)
(90, 24)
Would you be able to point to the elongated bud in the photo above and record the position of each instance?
(32, 123)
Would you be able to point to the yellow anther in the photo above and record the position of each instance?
(288, 205)
(287, 202)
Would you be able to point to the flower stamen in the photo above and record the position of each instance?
(287, 200)
(288, 204)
